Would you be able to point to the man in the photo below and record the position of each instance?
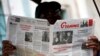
(48, 10)
(51, 12)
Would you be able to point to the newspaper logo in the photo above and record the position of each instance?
(84, 23)
(65, 25)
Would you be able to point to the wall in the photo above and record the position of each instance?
(93, 14)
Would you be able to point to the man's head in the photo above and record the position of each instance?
(49, 11)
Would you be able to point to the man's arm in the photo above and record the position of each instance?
(98, 53)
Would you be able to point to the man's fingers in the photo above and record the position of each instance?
(93, 38)
(92, 45)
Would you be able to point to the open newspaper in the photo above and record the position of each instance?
(36, 37)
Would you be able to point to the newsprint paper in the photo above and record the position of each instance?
(36, 37)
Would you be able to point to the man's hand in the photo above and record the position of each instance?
(8, 48)
(94, 44)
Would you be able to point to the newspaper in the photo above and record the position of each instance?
(36, 37)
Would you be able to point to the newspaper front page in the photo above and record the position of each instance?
(36, 37)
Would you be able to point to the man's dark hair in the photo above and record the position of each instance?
(45, 6)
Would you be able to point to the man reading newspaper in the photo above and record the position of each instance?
(51, 12)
